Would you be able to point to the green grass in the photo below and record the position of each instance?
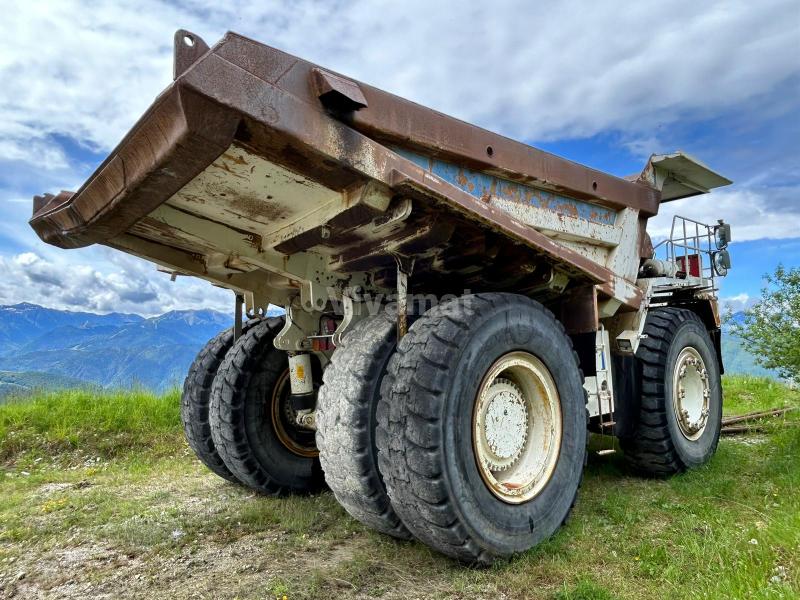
(104, 425)
(101, 492)
(744, 394)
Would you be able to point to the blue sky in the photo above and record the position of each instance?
(605, 84)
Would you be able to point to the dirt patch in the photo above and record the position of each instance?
(52, 489)
(251, 566)
(167, 548)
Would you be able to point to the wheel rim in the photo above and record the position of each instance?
(516, 427)
(295, 439)
(690, 393)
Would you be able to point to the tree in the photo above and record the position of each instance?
(771, 328)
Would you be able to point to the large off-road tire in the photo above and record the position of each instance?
(197, 396)
(459, 472)
(676, 354)
(252, 422)
(346, 418)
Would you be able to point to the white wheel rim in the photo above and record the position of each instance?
(516, 427)
(690, 393)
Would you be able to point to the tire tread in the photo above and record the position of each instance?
(344, 439)
(196, 398)
(651, 450)
(227, 410)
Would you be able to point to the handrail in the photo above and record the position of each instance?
(684, 243)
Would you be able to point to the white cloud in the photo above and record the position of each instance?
(114, 283)
(39, 152)
(752, 213)
(26, 259)
(737, 303)
(534, 71)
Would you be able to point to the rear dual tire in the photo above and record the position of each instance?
(252, 422)
(346, 423)
(429, 437)
(196, 399)
(238, 418)
(471, 436)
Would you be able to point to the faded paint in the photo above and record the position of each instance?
(561, 226)
(483, 186)
(623, 260)
(246, 191)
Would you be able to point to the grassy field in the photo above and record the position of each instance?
(100, 497)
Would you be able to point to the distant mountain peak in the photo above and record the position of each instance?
(21, 306)
(31, 307)
(189, 313)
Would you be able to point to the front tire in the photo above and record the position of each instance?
(681, 408)
(429, 435)
(252, 419)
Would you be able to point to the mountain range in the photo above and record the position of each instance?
(47, 348)
(42, 347)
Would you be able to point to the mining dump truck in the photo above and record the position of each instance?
(461, 309)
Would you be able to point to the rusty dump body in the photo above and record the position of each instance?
(283, 181)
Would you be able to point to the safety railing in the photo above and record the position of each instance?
(696, 249)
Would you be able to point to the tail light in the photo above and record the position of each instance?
(689, 264)
(323, 342)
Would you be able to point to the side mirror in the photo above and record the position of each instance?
(722, 262)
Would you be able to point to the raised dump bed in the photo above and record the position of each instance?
(297, 186)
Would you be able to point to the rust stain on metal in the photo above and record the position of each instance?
(236, 158)
(338, 92)
(225, 167)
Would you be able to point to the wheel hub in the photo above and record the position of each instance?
(691, 392)
(505, 425)
(296, 438)
(517, 427)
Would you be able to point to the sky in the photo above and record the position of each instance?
(605, 84)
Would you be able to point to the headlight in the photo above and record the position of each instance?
(722, 235)
(722, 262)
